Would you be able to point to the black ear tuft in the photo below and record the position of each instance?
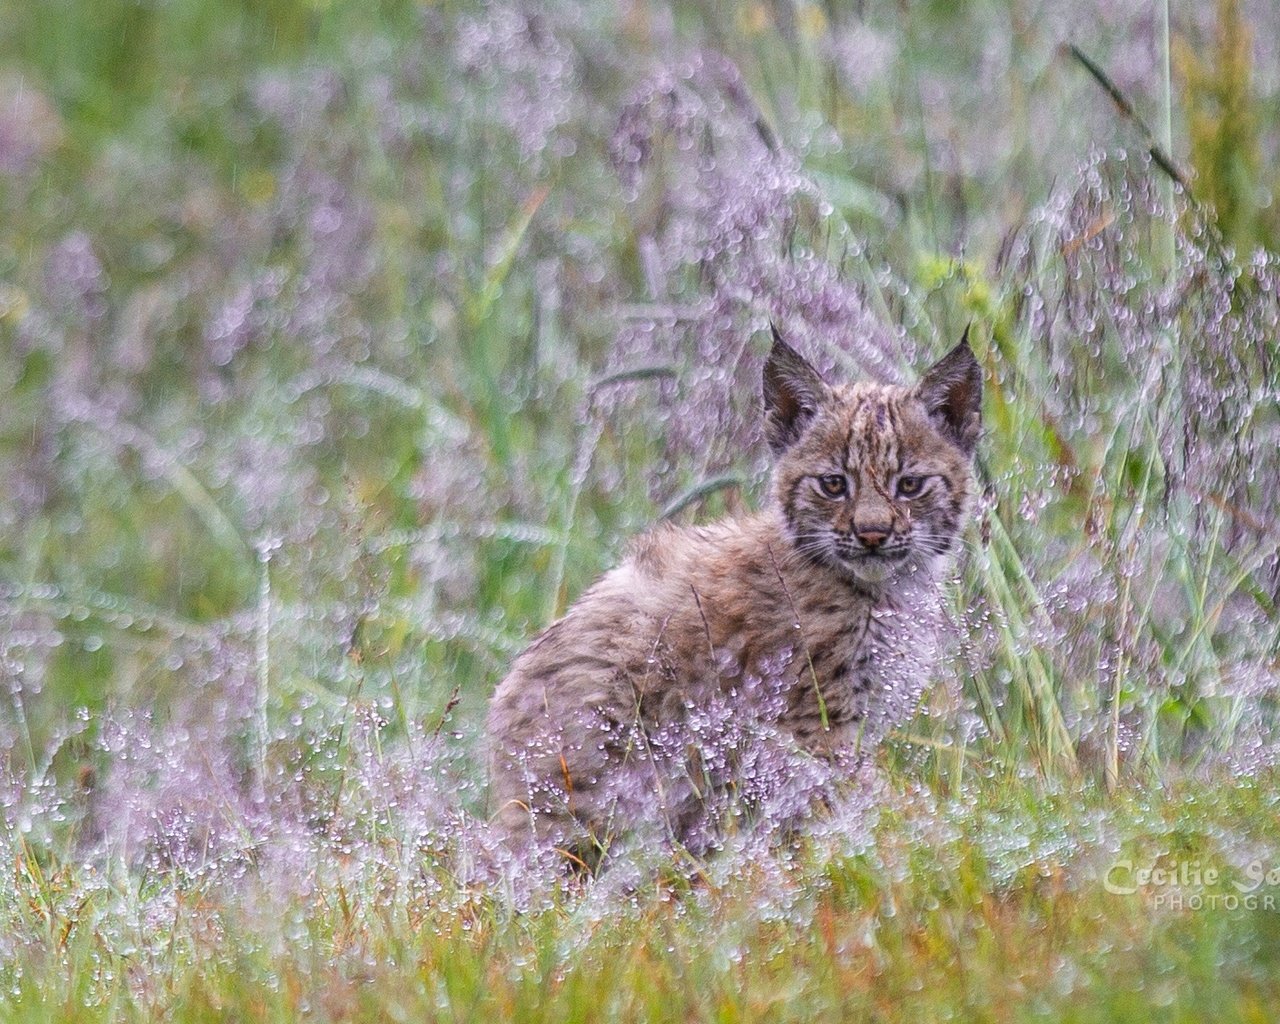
(793, 392)
(951, 390)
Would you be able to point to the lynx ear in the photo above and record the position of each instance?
(792, 393)
(951, 391)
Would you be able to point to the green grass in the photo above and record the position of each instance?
(315, 409)
(989, 906)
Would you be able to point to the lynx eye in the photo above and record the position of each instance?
(910, 486)
(833, 485)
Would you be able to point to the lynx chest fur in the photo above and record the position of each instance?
(817, 618)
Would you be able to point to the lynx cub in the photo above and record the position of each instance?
(827, 600)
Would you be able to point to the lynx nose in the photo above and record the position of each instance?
(872, 536)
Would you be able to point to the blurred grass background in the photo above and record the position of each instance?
(340, 352)
(182, 159)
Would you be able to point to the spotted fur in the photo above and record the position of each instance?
(822, 610)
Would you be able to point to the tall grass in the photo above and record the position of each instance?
(344, 345)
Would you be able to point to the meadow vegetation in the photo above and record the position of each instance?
(343, 344)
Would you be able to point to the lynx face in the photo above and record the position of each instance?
(873, 479)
